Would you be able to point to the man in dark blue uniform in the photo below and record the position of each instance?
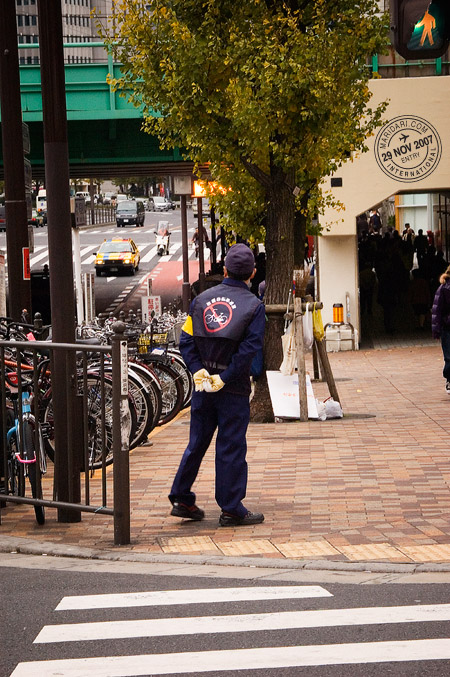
(223, 332)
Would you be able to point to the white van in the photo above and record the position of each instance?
(41, 200)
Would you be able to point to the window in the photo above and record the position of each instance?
(20, 20)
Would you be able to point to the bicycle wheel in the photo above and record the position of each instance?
(141, 408)
(171, 390)
(16, 475)
(29, 452)
(154, 388)
(95, 422)
(186, 376)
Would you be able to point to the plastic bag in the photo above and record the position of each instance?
(321, 413)
(333, 409)
(308, 336)
(317, 324)
(289, 353)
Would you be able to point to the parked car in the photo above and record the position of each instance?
(120, 197)
(2, 218)
(117, 254)
(159, 204)
(87, 196)
(130, 213)
(108, 198)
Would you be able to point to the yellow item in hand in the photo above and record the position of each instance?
(200, 377)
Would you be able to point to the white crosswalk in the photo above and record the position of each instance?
(40, 257)
(229, 661)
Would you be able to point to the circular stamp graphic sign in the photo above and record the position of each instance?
(408, 148)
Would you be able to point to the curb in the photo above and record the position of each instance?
(9, 544)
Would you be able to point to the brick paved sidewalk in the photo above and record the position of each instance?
(373, 486)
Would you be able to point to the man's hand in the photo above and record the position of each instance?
(216, 383)
(200, 378)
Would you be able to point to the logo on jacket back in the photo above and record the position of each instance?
(218, 313)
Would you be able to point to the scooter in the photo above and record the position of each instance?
(162, 236)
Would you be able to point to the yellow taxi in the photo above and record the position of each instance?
(117, 254)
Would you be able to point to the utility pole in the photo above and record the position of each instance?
(56, 156)
(13, 165)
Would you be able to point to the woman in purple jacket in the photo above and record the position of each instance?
(440, 322)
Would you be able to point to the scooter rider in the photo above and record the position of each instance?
(162, 238)
(223, 332)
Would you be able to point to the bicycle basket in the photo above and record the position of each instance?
(146, 342)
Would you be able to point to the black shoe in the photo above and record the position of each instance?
(228, 520)
(190, 512)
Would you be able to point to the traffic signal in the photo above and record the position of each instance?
(421, 28)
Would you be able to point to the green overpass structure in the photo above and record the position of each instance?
(104, 128)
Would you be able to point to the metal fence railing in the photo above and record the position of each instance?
(78, 477)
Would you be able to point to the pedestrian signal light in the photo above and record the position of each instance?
(421, 28)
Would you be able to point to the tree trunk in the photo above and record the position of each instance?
(279, 269)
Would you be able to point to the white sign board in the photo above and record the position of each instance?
(182, 185)
(150, 304)
(123, 368)
(284, 395)
(80, 212)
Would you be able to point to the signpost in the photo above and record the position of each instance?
(183, 187)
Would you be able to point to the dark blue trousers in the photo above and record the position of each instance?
(445, 342)
(229, 414)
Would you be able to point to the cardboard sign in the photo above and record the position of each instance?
(285, 398)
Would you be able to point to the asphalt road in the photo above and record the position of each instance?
(219, 625)
(121, 292)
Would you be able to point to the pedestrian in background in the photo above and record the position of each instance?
(440, 322)
(222, 334)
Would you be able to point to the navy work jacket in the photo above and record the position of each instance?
(223, 332)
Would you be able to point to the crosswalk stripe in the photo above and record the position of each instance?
(240, 659)
(162, 627)
(149, 255)
(39, 257)
(198, 596)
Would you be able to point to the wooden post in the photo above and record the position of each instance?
(326, 370)
(315, 362)
(300, 350)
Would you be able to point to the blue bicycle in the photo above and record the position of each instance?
(22, 459)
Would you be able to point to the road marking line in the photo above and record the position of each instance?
(162, 627)
(240, 659)
(199, 596)
(150, 254)
(35, 259)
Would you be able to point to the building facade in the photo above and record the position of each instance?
(78, 27)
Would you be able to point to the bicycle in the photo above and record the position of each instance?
(25, 458)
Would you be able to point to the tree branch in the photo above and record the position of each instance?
(256, 172)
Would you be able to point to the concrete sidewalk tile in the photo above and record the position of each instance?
(188, 544)
(306, 549)
(427, 553)
(373, 552)
(257, 546)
